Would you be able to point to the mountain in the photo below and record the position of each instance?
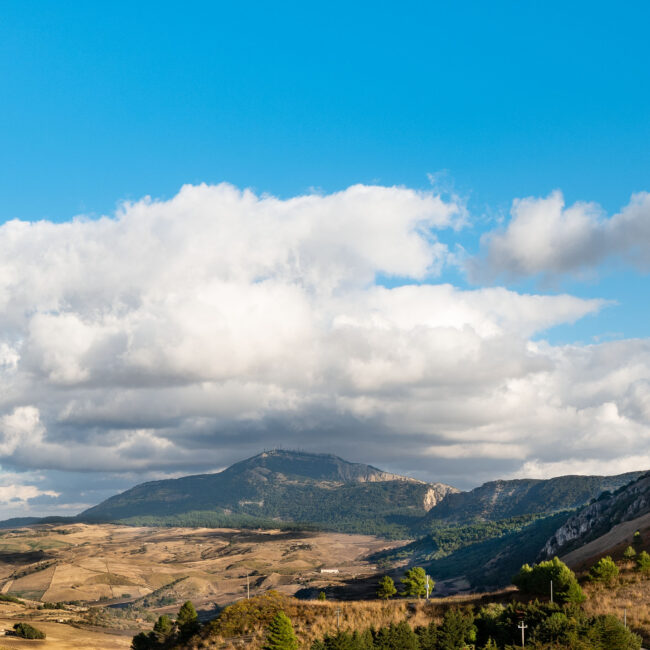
(626, 503)
(304, 490)
(278, 487)
(504, 499)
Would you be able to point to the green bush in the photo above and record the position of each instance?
(629, 553)
(537, 580)
(605, 570)
(27, 631)
(643, 562)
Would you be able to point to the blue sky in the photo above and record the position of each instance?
(109, 102)
(103, 102)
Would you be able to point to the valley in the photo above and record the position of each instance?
(312, 527)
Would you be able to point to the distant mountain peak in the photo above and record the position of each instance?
(281, 485)
(317, 466)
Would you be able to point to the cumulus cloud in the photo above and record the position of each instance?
(22, 493)
(545, 237)
(183, 335)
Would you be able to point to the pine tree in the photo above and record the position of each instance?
(605, 570)
(415, 582)
(280, 634)
(456, 630)
(386, 588)
(187, 620)
(163, 628)
(629, 553)
(643, 562)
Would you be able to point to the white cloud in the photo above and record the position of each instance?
(545, 237)
(185, 334)
(22, 493)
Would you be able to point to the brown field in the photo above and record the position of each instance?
(120, 564)
(68, 635)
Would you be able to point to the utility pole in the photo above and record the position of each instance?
(338, 618)
(625, 617)
(522, 627)
(248, 587)
(427, 587)
(551, 591)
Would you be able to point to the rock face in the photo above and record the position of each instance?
(597, 518)
(436, 493)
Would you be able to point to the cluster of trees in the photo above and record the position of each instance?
(166, 633)
(642, 559)
(415, 582)
(27, 631)
(495, 627)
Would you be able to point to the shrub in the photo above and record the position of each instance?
(27, 631)
(537, 580)
(643, 562)
(629, 553)
(605, 570)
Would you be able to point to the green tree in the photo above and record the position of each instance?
(143, 641)
(280, 634)
(605, 570)
(457, 630)
(163, 628)
(643, 562)
(322, 596)
(386, 588)
(403, 637)
(629, 553)
(187, 620)
(428, 636)
(608, 632)
(537, 580)
(415, 582)
(27, 631)
(637, 540)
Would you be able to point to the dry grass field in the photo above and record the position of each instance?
(243, 624)
(121, 564)
(155, 569)
(65, 629)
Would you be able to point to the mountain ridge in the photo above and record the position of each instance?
(282, 487)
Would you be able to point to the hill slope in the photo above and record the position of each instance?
(288, 488)
(504, 499)
(626, 503)
(281, 486)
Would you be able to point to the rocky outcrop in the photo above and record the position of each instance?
(597, 518)
(436, 493)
